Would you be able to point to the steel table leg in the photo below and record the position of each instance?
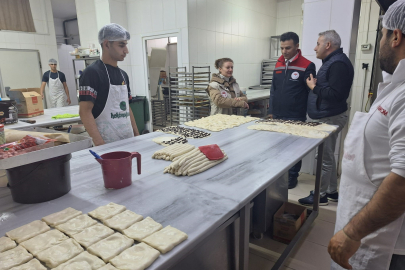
(244, 231)
(311, 218)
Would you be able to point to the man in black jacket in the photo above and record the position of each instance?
(327, 104)
(289, 91)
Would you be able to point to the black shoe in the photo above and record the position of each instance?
(334, 197)
(309, 201)
(292, 182)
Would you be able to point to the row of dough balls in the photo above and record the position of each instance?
(220, 122)
(60, 252)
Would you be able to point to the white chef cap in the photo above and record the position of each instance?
(394, 18)
(52, 61)
(113, 32)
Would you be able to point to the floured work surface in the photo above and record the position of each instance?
(220, 122)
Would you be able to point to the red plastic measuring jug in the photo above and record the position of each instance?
(117, 168)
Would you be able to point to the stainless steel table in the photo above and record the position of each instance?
(215, 203)
(46, 119)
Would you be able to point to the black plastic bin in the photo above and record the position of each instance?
(40, 181)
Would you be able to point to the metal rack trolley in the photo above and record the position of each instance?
(87, 62)
(268, 67)
(188, 99)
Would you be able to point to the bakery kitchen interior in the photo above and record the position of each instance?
(190, 134)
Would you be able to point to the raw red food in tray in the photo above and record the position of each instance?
(212, 151)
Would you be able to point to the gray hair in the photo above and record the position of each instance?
(333, 37)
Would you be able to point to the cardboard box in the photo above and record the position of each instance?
(29, 101)
(285, 229)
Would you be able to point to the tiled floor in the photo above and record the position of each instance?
(311, 253)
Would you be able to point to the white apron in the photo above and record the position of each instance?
(114, 122)
(356, 191)
(56, 92)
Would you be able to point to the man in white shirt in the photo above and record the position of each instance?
(370, 227)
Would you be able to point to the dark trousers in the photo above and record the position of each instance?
(397, 262)
(294, 170)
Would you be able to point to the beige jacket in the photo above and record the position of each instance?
(223, 95)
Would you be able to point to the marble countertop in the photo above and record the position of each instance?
(196, 205)
(46, 118)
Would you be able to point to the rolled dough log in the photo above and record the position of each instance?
(296, 130)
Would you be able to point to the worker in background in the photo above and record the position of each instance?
(370, 228)
(327, 104)
(58, 89)
(223, 91)
(104, 91)
(289, 91)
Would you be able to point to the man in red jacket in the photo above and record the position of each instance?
(289, 91)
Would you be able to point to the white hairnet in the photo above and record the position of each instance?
(52, 61)
(394, 18)
(113, 32)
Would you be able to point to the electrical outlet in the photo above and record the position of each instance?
(366, 47)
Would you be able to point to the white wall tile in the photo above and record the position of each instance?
(181, 14)
(235, 15)
(219, 17)
(146, 16)
(227, 16)
(202, 46)
(13, 45)
(211, 7)
(283, 8)
(192, 13)
(157, 15)
(235, 49)
(169, 14)
(134, 15)
(193, 44)
(202, 14)
(227, 45)
(295, 8)
(219, 45)
(211, 46)
(11, 37)
(184, 39)
(40, 39)
(282, 25)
